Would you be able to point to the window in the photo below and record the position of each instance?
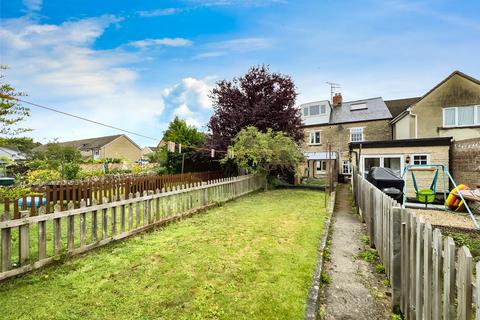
(448, 117)
(346, 168)
(420, 159)
(315, 137)
(461, 116)
(358, 106)
(314, 110)
(305, 112)
(466, 116)
(356, 134)
(321, 166)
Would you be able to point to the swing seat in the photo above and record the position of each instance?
(426, 195)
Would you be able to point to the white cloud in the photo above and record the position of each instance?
(160, 12)
(239, 45)
(189, 100)
(33, 5)
(58, 67)
(170, 42)
(243, 44)
(210, 54)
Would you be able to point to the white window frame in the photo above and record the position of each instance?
(476, 114)
(357, 128)
(321, 170)
(319, 138)
(420, 155)
(348, 166)
(320, 113)
(382, 157)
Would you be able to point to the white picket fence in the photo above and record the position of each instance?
(90, 227)
(431, 278)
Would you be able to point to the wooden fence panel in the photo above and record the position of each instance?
(428, 280)
(150, 209)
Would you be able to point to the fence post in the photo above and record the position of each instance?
(437, 275)
(464, 284)
(419, 270)
(372, 209)
(449, 279)
(24, 239)
(395, 258)
(427, 271)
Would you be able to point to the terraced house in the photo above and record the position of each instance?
(442, 127)
(334, 125)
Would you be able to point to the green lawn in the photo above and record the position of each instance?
(252, 258)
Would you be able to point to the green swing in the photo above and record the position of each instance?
(426, 195)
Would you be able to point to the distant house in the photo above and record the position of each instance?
(450, 109)
(12, 154)
(148, 150)
(117, 146)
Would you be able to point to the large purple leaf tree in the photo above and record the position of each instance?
(259, 98)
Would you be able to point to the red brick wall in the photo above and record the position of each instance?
(465, 162)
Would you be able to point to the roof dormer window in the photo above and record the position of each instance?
(314, 110)
(358, 106)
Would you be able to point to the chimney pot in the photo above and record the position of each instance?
(337, 99)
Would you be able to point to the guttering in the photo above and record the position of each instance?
(416, 122)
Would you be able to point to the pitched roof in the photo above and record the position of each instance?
(375, 109)
(91, 143)
(397, 106)
(456, 72)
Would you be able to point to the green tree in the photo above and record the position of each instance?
(264, 152)
(23, 144)
(11, 111)
(191, 139)
(54, 156)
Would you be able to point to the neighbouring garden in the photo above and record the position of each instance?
(252, 258)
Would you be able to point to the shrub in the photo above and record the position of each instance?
(91, 173)
(71, 170)
(13, 193)
(42, 175)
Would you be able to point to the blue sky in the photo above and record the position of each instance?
(137, 64)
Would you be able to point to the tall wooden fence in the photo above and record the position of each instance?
(110, 187)
(431, 278)
(33, 241)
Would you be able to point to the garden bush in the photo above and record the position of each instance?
(42, 175)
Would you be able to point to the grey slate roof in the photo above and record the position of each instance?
(89, 144)
(376, 110)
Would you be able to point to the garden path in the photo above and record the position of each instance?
(356, 291)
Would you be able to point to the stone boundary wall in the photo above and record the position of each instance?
(465, 162)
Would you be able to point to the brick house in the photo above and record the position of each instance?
(334, 126)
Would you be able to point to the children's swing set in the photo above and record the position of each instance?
(427, 195)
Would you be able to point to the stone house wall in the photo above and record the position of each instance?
(338, 135)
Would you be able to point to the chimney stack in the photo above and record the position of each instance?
(337, 99)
